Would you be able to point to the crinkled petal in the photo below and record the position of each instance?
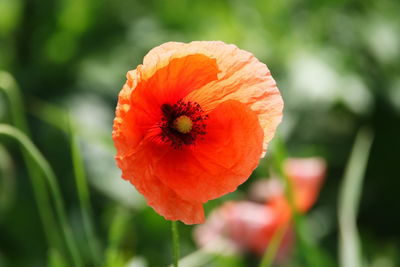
(224, 159)
(220, 71)
(242, 78)
(136, 169)
(138, 110)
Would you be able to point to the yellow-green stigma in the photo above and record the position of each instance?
(183, 124)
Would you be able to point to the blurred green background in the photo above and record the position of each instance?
(335, 62)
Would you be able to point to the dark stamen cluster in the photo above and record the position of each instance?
(171, 112)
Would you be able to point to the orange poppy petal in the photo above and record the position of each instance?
(224, 159)
(164, 201)
(242, 78)
(139, 102)
(175, 80)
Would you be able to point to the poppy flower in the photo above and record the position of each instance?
(250, 225)
(306, 176)
(240, 226)
(191, 124)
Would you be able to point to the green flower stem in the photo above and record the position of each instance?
(41, 162)
(350, 194)
(308, 251)
(84, 198)
(273, 247)
(175, 242)
(11, 90)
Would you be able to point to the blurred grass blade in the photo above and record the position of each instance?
(56, 259)
(273, 247)
(175, 243)
(350, 193)
(41, 162)
(309, 252)
(9, 86)
(49, 113)
(116, 233)
(7, 181)
(84, 198)
(206, 255)
(60, 119)
(197, 258)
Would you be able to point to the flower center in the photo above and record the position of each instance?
(182, 123)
